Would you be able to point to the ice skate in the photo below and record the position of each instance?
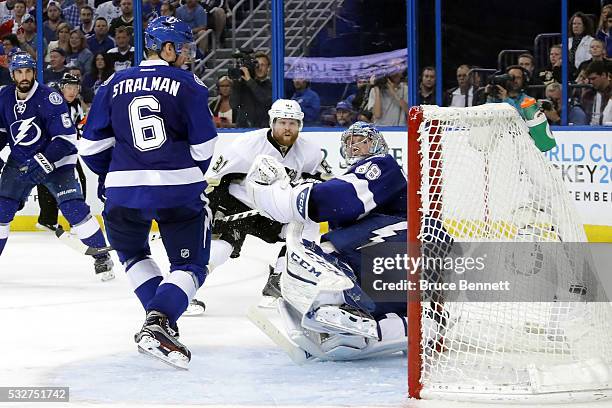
(104, 267)
(195, 308)
(159, 340)
(271, 291)
(347, 319)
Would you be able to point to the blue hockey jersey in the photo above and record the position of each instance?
(40, 123)
(376, 184)
(150, 133)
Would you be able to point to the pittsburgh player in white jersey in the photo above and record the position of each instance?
(281, 140)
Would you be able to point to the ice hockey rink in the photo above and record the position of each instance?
(61, 326)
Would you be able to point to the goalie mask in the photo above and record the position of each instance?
(362, 140)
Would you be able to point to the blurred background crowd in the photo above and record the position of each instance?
(514, 53)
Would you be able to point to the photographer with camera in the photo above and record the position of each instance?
(251, 96)
(551, 106)
(508, 87)
(388, 100)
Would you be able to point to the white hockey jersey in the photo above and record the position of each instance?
(303, 157)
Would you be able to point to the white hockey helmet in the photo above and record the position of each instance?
(286, 109)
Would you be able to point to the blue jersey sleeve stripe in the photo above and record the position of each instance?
(71, 159)
(91, 147)
(203, 151)
(72, 138)
(362, 188)
(132, 178)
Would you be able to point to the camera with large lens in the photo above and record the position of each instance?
(545, 104)
(381, 82)
(242, 58)
(501, 80)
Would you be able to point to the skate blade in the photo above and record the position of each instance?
(150, 347)
(267, 302)
(195, 308)
(334, 321)
(106, 276)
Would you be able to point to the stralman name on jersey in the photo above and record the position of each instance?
(40, 123)
(151, 134)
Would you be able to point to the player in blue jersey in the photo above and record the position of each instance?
(35, 122)
(150, 138)
(339, 321)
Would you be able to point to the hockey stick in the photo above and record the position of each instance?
(69, 240)
(259, 319)
(229, 218)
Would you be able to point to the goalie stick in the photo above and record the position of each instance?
(259, 319)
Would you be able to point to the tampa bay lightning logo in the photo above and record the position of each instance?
(25, 132)
(55, 98)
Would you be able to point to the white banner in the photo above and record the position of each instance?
(584, 161)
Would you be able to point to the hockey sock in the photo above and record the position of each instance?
(145, 276)
(8, 208)
(83, 224)
(176, 291)
(220, 252)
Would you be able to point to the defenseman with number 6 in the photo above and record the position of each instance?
(150, 138)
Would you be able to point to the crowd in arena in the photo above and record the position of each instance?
(92, 39)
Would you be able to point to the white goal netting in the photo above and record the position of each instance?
(497, 196)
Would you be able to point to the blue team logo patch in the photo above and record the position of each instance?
(25, 132)
(55, 98)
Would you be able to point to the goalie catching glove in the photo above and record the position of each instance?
(269, 189)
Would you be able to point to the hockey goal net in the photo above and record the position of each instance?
(477, 174)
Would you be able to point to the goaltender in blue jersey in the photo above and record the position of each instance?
(339, 321)
(150, 138)
(36, 124)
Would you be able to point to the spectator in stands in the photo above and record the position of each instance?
(551, 106)
(167, 9)
(10, 44)
(101, 70)
(388, 101)
(308, 99)
(252, 97)
(150, 7)
(594, 100)
(56, 68)
(126, 19)
(463, 94)
(109, 10)
(511, 92)
(223, 114)
(6, 8)
(31, 6)
(598, 53)
(344, 114)
(54, 18)
(604, 31)
(427, 87)
(79, 55)
(552, 72)
(87, 23)
(122, 56)
(579, 42)
(527, 62)
(195, 16)
(27, 37)
(72, 13)
(359, 99)
(63, 40)
(364, 116)
(100, 41)
(19, 10)
(216, 18)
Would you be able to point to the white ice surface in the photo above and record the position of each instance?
(61, 326)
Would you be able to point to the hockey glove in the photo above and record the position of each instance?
(36, 169)
(102, 188)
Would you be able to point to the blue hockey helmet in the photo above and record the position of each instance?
(350, 149)
(170, 29)
(21, 60)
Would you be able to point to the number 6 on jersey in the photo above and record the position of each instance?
(148, 131)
